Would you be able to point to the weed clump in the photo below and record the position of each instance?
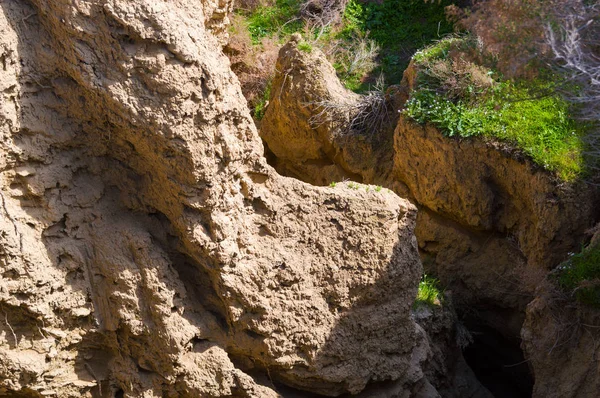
(260, 105)
(373, 113)
(354, 56)
(429, 293)
(306, 47)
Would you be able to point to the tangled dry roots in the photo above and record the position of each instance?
(374, 112)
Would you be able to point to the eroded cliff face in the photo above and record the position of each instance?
(479, 202)
(490, 224)
(148, 249)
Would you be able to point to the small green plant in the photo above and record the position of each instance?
(333, 184)
(378, 188)
(429, 293)
(306, 47)
(353, 185)
(580, 275)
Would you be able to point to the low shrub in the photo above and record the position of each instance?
(322, 13)
(363, 40)
(398, 28)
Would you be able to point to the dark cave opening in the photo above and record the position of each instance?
(498, 362)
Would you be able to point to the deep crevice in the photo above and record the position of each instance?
(498, 361)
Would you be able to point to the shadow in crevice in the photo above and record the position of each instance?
(498, 361)
(198, 284)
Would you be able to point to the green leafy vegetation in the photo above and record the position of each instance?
(463, 100)
(279, 20)
(398, 28)
(580, 275)
(429, 293)
(333, 184)
(373, 38)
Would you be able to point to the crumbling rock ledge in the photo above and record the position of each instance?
(147, 248)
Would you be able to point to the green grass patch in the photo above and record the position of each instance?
(279, 20)
(306, 47)
(429, 293)
(440, 49)
(581, 276)
(526, 115)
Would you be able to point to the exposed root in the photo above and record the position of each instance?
(10, 327)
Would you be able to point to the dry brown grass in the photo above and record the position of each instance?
(458, 77)
(321, 13)
(372, 114)
(251, 5)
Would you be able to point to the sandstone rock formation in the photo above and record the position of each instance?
(148, 250)
(490, 225)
